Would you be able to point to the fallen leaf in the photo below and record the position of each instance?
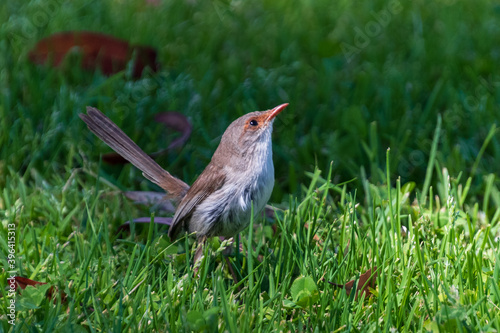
(178, 122)
(23, 282)
(105, 52)
(365, 282)
(156, 220)
(173, 120)
(150, 198)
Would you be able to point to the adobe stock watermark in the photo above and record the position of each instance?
(475, 101)
(415, 159)
(459, 114)
(30, 26)
(143, 89)
(11, 266)
(372, 29)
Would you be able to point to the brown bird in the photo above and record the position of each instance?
(240, 174)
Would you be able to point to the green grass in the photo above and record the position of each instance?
(424, 86)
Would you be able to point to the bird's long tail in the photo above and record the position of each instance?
(114, 137)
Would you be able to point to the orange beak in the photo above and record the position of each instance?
(274, 112)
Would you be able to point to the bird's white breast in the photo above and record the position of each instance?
(243, 187)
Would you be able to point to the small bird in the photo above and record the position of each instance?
(239, 176)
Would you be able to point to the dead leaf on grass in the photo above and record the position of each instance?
(99, 51)
(172, 120)
(146, 220)
(366, 281)
(150, 198)
(23, 282)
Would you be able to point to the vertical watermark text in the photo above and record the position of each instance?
(11, 266)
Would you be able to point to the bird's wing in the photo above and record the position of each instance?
(210, 180)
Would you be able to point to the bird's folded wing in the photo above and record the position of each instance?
(210, 180)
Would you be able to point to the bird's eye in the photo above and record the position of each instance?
(253, 122)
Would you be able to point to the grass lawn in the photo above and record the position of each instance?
(387, 158)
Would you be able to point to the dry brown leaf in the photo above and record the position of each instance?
(146, 220)
(105, 52)
(23, 282)
(366, 281)
(173, 120)
(150, 198)
(178, 122)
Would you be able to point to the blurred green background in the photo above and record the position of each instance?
(359, 76)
